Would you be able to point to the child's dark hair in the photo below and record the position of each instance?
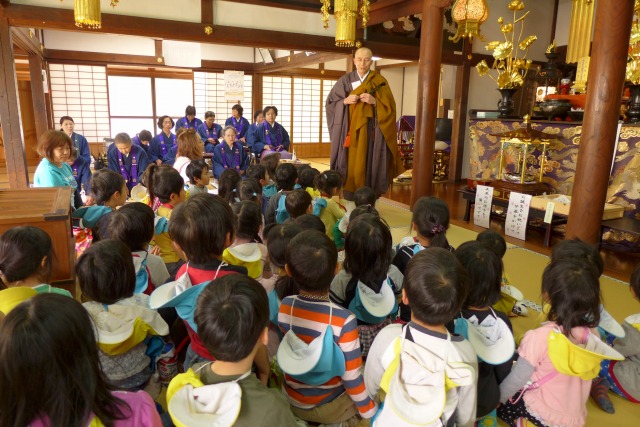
(286, 176)
(106, 273)
(367, 249)
(635, 281)
(573, 292)
(436, 285)
(133, 225)
(431, 217)
(250, 189)
(364, 196)
(105, 183)
(311, 259)
(162, 181)
(270, 163)
(278, 240)
(194, 170)
(362, 210)
(494, 241)
(232, 313)
(310, 222)
(257, 172)
(484, 269)
(328, 181)
(248, 216)
(297, 203)
(227, 184)
(51, 366)
(22, 250)
(202, 240)
(307, 177)
(579, 251)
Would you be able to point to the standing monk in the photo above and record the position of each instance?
(361, 115)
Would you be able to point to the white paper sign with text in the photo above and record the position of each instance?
(482, 209)
(517, 215)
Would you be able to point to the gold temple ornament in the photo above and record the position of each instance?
(88, 13)
(469, 15)
(509, 56)
(346, 13)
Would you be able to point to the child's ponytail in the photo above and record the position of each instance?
(431, 217)
(148, 179)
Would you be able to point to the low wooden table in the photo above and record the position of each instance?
(557, 219)
(624, 224)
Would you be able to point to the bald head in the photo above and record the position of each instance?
(362, 60)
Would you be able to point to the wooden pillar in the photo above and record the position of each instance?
(602, 109)
(10, 112)
(459, 132)
(427, 105)
(37, 94)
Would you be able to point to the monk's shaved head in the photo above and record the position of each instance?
(363, 51)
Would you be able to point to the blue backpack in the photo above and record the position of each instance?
(281, 211)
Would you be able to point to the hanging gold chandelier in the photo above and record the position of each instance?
(87, 12)
(346, 14)
(469, 14)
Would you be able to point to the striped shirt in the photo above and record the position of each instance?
(309, 319)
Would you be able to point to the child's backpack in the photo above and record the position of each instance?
(281, 211)
(419, 384)
(144, 285)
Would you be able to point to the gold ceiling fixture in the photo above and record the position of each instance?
(87, 12)
(346, 14)
(469, 14)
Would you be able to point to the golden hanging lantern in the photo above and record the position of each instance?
(87, 12)
(469, 14)
(346, 14)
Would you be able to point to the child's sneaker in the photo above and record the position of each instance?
(512, 291)
(519, 309)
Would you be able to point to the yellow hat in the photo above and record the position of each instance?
(579, 360)
(9, 298)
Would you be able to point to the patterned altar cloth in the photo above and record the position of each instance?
(560, 167)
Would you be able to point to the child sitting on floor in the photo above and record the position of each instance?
(133, 225)
(369, 284)
(202, 243)
(430, 220)
(361, 197)
(249, 189)
(427, 374)
(232, 316)
(550, 382)
(166, 184)
(51, 374)
(286, 177)
(247, 249)
(26, 258)
(110, 191)
(107, 279)
(270, 163)
(510, 301)
(227, 185)
(198, 174)
(317, 376)
(489, 331)
(308, 181)
(327, 208)
(298, 203)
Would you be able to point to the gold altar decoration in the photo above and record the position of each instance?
(633, 62)
(87, 12)
(523, 139)
(469, 15)
(346, 14)
(509, 56)
(580, 28)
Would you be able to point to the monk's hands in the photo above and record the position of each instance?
(368, 98)
(351, 99)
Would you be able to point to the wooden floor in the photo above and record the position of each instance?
(619, 265)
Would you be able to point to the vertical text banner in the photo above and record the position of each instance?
(517, 215)
(233, 85)
(482, 209)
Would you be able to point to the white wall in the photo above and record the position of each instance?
(395, 77)
(219, 52)
(97, 42)
(562, 23)
(337, 65)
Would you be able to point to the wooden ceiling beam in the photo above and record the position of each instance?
(387, 10)
(62, 19)
(27, 41)
(298, 60)
(304, 5)
(206, 12)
